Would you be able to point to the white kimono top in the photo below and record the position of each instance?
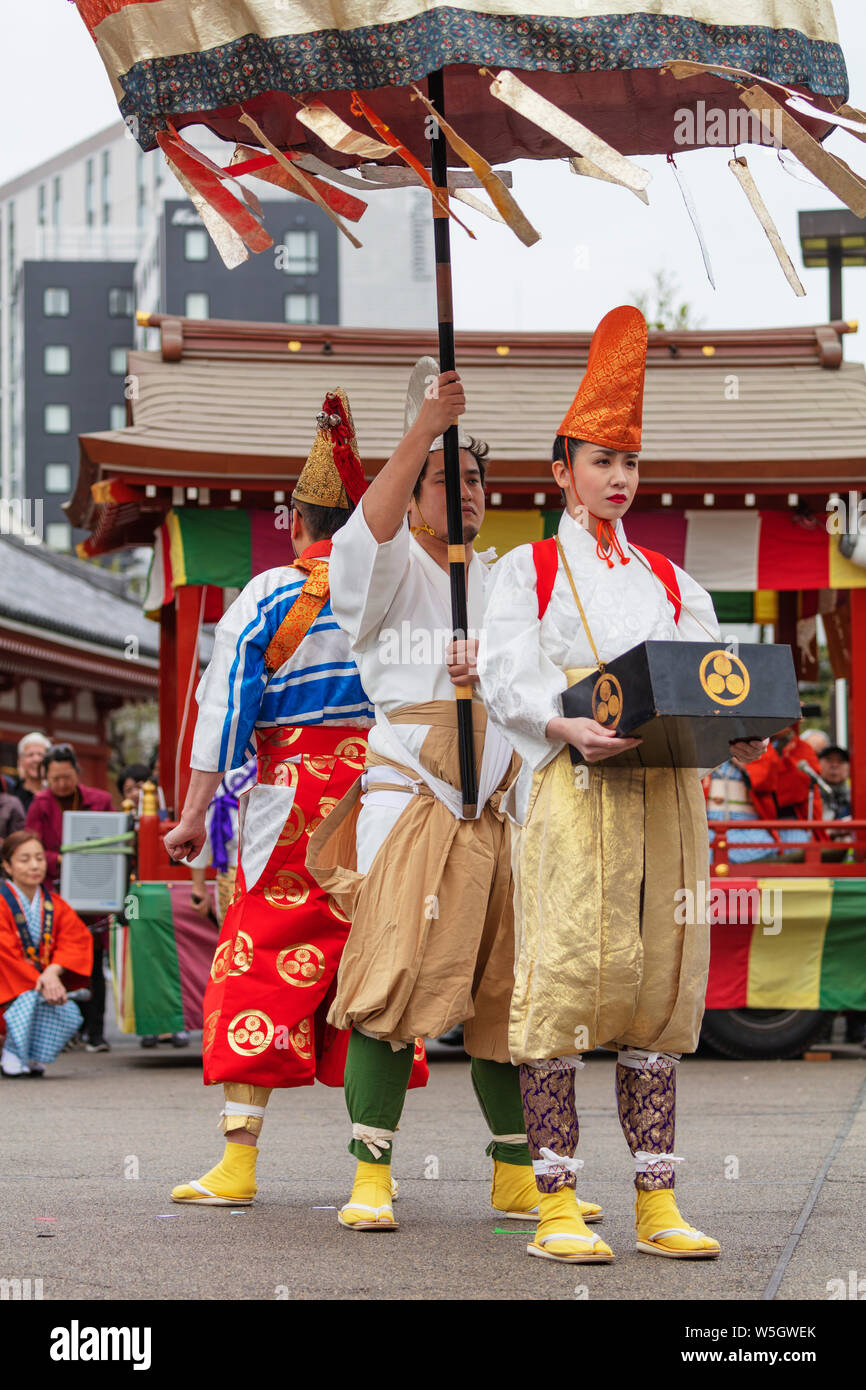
(522, 663)
(393, 601)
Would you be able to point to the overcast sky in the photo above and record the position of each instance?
(599, 244)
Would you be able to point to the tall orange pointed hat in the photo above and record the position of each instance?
(608, 407)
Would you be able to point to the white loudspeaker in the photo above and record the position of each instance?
(93, 882)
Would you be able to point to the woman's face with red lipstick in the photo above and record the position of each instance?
(606, 480)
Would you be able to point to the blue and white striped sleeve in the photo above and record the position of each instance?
(230, 692)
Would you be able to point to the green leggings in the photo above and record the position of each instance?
(377, 1078)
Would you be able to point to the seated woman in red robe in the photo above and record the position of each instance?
(44, 948)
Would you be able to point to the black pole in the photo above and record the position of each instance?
(456, 550)
(834, 266)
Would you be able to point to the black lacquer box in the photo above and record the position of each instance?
(688, 700)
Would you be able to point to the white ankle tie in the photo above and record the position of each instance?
(552, 1163)
(637, 1058)
(235, 1107)
(376, 1140)
(644, 1161)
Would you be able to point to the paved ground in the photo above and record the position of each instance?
(774, 1149)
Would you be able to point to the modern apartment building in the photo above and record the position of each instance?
(102, 231)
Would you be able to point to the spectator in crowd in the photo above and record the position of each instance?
(29, 783)
(11, 813)
(64, 792)
(836, 769)
(44, 949)
(131, 782)
(774, 787)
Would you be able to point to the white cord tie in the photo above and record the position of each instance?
(552, 1163)
(644, 1161)
(637, 1058)
(376, 1140)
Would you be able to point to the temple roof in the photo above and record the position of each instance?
(229, 408)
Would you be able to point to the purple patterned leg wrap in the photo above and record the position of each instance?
(646, 1100)
(550, 1117)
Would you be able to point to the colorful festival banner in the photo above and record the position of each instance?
(215, 546)
(787, 944)
(160, 960)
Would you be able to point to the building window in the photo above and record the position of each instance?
(57, 419)
(58, 535)
(196, 306)
(120, 304)
(301, 253)
(117, 361)
(58, 477)
(117, 417)
(55, 303)
(89, 181)
(195, 245)
(106, 187)
(41, 214)
(10, 241)
(56, 361)
(301, 308)
(56, 199)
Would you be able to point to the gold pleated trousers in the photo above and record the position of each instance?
(600, 958)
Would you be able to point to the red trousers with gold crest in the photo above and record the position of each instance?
(274, 970)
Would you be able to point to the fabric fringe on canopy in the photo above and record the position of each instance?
(360, 108)
(512, 92)
(740, 169)
(303, 179)
(247, 160)
(495, 189)
(585, 167)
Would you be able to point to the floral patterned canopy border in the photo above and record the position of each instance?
(216, 78)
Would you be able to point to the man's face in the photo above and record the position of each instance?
(431, 497)
(30, 762)
(606, 480)
(835, 769)
(62, 778)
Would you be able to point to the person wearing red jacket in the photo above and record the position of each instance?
(781, 789)
(64, 792)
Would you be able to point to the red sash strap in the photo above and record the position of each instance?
(663, 570)
(546, 559)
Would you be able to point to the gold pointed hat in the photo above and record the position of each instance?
(608, 407)
(332, 475)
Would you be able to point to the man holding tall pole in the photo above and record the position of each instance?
(428, 890)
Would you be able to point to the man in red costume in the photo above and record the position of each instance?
(282, 677)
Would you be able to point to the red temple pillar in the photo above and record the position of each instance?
(189, 601)
(178, 678)
(857, 704)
